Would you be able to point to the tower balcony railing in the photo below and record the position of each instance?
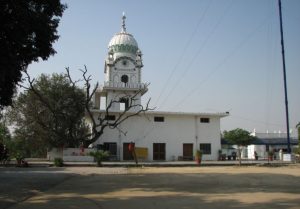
(110, 84)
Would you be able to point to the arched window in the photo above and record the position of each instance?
(133, 79)
(124, 79)
(124, 103)
(116, 78)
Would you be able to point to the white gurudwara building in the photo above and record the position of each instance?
(161, 135)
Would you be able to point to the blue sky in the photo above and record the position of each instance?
(199, 55)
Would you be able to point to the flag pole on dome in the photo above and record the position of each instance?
(123, 23)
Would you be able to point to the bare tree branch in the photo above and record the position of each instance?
(68, 75)
(98, 122)
(102, 122)
(36, 92)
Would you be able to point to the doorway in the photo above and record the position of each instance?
(187, 151)
(126, 154)
(159, 151)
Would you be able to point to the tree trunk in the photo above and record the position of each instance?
(240, 155)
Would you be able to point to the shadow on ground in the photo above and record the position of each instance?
(18, 184)
(209, 190)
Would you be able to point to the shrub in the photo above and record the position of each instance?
(99, 156)
(296, 150)
(270, 153)
(58, 162)
(198, 154)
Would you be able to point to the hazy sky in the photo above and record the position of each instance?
(199, 55)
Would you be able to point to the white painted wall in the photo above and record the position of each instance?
(260, 150)
(174, 131)
(115, 72)
(71, 154)
(178, 128)
(117, 95)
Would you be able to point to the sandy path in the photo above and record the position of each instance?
(180, 187)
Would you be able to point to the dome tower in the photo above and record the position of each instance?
(123, 43)
(122, 71)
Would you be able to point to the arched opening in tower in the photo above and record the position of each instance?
(124, 103)
(124, 79)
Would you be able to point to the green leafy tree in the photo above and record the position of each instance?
(50, 114)
(297, 150)
(16, 144)
(239, 137)
(5, 136)
(52, 105)
(28, 28)
(28, 144)
(4, 133)
(298, 128)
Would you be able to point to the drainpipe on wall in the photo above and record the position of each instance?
(196, 132)
(120, 141)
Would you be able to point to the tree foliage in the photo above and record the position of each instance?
(298, 128)
(7, 140)
(54, 110)
(27, 31)
(4, 133)
(297, 150)
(239, 137)
(51, 113)
(99, 156)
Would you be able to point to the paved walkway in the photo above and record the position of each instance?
(43, 162)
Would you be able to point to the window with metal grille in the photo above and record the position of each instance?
(111, 147)
(205, 148)
(110, 117)
(159, 119)
(204, 120)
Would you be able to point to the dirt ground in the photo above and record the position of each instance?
(149, 187)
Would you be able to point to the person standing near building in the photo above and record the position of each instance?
(280, 154)
(255, 155)
(131, 148)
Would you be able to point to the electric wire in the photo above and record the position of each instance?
(269, 74)
(183, 52)
(256, 121)
(220, 64)
(187, 69)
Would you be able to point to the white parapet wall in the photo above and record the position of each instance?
(54, 153)
(71, 154)
(78, 159)
(77, 155)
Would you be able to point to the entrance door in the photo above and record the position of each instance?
(187, 151)
(159, 151)
(126, 154)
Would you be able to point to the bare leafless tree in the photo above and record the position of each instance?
(99, 120)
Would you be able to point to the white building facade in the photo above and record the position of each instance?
(164, 135)
(265, 142)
